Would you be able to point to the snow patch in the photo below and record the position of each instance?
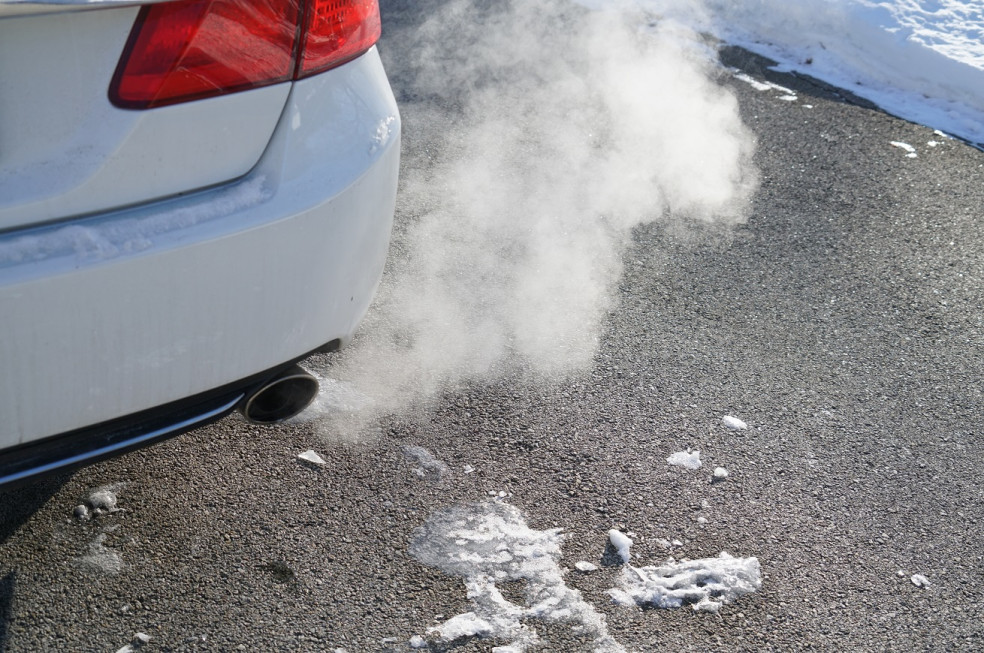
(734, 423)
(585, 566)
(490, 543)
(707, 584)
(688, 459)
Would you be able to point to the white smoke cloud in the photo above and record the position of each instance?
(538, 135)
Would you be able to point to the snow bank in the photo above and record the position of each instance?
(708, 583)
(488, 544)
(922, 60)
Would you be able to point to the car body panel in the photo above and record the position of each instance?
(119, 313)
(66, 151)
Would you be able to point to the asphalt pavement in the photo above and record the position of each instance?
(842, 322)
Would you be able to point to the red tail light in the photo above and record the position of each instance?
(193, 49)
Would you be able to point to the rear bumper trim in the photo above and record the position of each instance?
(69, 451)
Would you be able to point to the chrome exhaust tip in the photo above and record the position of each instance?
(280, 398)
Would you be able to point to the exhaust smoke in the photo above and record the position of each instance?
(538, 135)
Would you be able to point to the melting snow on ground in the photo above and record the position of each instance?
(100, 557)
(428, 467)
(688, 459)
(708, 583)
(488, 544)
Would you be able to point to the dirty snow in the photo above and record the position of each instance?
(490, 543)
(688, 459)
(707, 584)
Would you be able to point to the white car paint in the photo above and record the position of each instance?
(124, 311)
(66, 151)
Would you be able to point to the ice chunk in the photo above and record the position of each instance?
(418, 642)
(622, 544)
(583, 565)
(720, 473)
(489, 543)
(102, 500)
(138, 641)
(908, 148)
(919, 580)
(688, 459)
(312, 457)
(468, 469)
(734, 423)
(81, 512)
(708, 583)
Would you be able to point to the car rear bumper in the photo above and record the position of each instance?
(122, 313)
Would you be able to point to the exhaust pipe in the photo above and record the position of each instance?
(280, 398)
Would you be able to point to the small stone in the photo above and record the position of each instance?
(81, 513)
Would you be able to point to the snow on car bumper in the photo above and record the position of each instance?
(120, 313)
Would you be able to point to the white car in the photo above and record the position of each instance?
(194, 196)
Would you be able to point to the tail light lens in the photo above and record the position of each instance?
(336, 31)
(194, 49)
